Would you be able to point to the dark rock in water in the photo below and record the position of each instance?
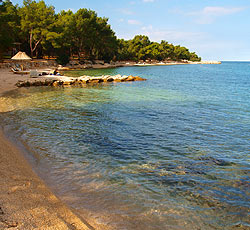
(56, 83)
(38, 83)
(110, 79)
(23, 84)
(67, 83)
(19, 83)
(130, 78)
(212, 160)
(94, 81)
(137, 78)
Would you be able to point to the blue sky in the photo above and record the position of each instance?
(214, 29)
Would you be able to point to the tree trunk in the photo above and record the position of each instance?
(32, 49)
(31, 40)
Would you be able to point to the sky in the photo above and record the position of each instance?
(214, 29)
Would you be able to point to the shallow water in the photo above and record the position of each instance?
(168, 153)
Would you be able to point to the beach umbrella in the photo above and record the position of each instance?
(21, 56)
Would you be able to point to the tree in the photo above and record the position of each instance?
(152, 51)
(59, 39)
(194, 57)
(105, 43)
(92, 35)
(9, 25)
(181, 53)
(167, 50)
(136, 44)
(36, 21)
(122, 51)
(83, 31)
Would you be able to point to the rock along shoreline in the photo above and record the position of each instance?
(55, 81)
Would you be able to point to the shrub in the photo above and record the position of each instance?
(63, 59)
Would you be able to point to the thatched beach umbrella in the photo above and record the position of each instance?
(21, 56)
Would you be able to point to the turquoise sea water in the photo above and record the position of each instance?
(168, 153)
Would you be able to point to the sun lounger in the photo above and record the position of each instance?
(34, 73)
(17, 71)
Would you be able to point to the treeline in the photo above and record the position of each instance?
(141, 48)
(41, 32)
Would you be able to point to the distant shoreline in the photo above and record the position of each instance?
(96, 64)
(102, 65)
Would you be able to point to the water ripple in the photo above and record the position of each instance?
(168, 153)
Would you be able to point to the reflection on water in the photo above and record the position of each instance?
(168, 153)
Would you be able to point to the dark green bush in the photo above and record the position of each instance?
(63, 59)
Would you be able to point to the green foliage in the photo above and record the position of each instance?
(105, 44)
(194, 57)
(152, 51)
(63, 59)
(136, 45)
(167, 50)
(122, 51)
(141, 48)
(9, 25)
(92, 35)
(62, 36)
(36, 21)
(82, 34)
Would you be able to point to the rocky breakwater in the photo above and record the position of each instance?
(56, 81)
(205, 62)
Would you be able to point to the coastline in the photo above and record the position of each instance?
(97, 64)
(25, 201)
(101, 65)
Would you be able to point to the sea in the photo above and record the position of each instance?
(172, 152)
